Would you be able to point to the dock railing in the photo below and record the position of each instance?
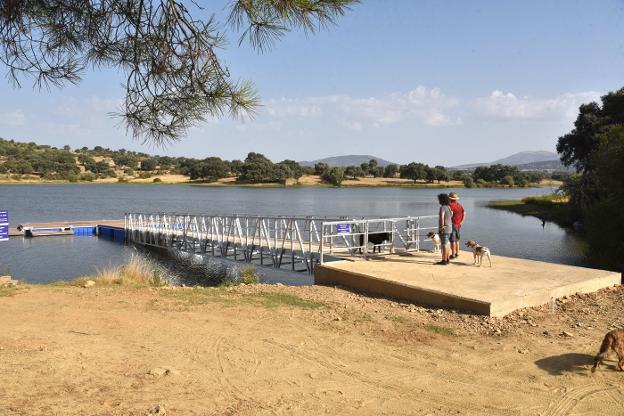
(295, 243)
(355, 237)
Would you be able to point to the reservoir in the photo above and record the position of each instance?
(48, 259)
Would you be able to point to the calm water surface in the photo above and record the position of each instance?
(56, 258)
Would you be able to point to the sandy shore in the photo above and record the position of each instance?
(274, 350)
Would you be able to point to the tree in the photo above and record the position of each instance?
(365, 168)
(372, 164)
(354, 172)
(508, 180)
(335, 176)
(413, 171)
(173, 76)
(149, 164)
(212, 169)
(377, 171)
(257, 169)
(390, 171)
(595, 147)
(235, 167)
(320, 168)
(468, 181)
(296, 171)
(281, 172)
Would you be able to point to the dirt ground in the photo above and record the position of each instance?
(275, 350)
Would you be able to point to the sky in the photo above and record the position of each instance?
(440, 82)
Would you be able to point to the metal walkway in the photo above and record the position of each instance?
(291, 243)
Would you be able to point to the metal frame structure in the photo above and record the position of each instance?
(294, 243)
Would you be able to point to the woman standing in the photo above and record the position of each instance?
(445, 227)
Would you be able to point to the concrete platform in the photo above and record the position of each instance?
(509, 285)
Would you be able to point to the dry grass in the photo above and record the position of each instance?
(138, 272)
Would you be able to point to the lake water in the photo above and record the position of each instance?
(57, 258)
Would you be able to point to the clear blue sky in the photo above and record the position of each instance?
(445, 82)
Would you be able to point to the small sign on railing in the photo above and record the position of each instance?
(343, 228)
(4, 225)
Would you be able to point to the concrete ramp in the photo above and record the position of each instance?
(509, 285)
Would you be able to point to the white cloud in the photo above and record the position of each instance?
(13, 118)
(501, 105)
(422, 105)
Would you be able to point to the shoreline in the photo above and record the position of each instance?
(277, 185)
(549, 208)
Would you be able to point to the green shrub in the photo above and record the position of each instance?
(88, 177)
(157, 180)
(335, 176)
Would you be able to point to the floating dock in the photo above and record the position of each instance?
(509, 285)
(112, 229)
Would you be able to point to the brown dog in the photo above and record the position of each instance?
(614, 340)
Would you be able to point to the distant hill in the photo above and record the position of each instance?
(554, 165)
(346, 160)
(523, 159)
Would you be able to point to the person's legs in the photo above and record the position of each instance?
(446, 252)
(454, 242)
(446, 248)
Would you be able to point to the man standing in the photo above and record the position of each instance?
(459, 215)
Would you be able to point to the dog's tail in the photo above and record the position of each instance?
(607, 343)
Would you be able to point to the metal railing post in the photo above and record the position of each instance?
(365, 248)
(321, 244)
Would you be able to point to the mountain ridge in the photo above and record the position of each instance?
(518, 159)
(347, 160)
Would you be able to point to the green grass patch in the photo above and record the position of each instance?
(277, 299)
(442, 330)
(398, 319)
(9, 290)
(553, 208)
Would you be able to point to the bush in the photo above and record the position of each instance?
(508, 180)
(88, 177)
(157, 180)
(145, 175)
(335, 176)
(469, 182)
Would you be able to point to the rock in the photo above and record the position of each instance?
(89, 283)
(8, 281)
(579, 324)
(337, 318)
(159, 410)
(523, 351)
(566, 334)
(546, 333)
(161, 371)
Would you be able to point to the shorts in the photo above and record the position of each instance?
(455, 235)
(444, 238)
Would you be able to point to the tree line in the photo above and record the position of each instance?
(85, 164)
(595, 148)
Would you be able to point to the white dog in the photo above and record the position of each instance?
(478, 252)
(435, 237)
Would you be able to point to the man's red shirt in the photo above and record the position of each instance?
(458, 213)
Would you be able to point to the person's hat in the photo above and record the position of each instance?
(453, 196)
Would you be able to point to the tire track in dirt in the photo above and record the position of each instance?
(437, 400)
(572, 397)
(465, 379)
